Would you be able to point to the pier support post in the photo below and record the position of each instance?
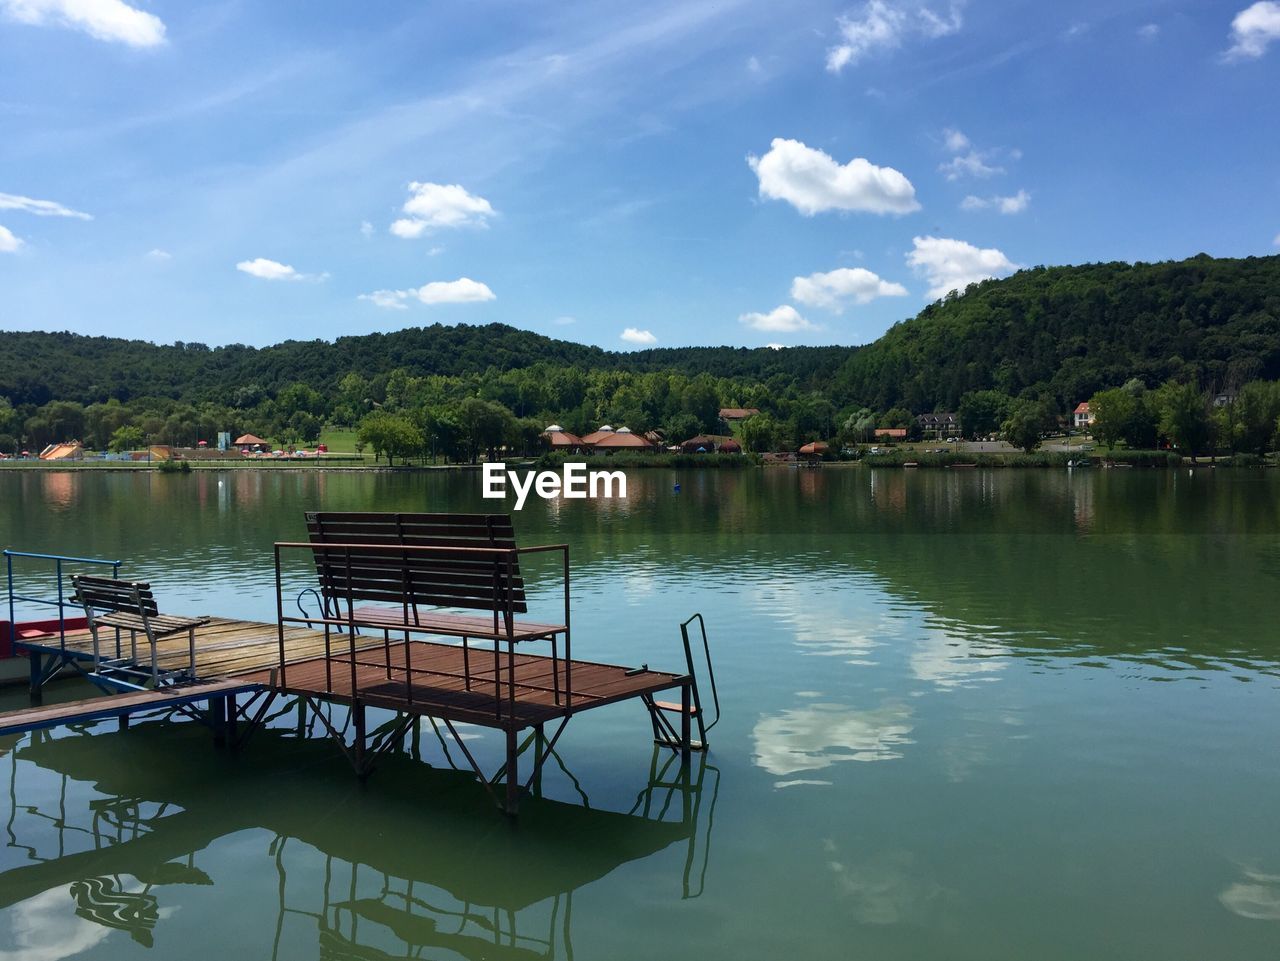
(230, 729)
(539, 746)
(37, 678)
(357, 714)
(217, 711)
(686, 732)
(513, 775)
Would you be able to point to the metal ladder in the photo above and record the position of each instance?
(664, 732)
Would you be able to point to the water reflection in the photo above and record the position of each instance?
(816, 736)
(107, 828)
(1257, 896)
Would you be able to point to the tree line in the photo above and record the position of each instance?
(1013, 356)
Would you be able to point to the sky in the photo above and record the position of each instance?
(620, 174)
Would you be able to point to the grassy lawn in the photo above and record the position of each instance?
(339, 440)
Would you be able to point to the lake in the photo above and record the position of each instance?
(966, 714)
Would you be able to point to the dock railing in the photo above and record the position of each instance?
(59, 600)
(395, 573)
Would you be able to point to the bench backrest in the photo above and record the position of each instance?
(437, 578)
(107, 594)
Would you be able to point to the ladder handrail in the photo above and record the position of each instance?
(711, 673)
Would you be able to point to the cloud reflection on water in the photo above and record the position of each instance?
(816, 736)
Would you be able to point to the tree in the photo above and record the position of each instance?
(1256, 409)
(1184, 416)
(127, 438)
(758, 433)
(391, 435)
(982, 412)
(483, 425)
(1027, 420)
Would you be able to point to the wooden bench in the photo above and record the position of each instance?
(413, 572)
(130, 606)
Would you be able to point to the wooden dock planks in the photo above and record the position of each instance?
(99, 708)
(246, 652)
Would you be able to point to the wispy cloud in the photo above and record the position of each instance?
(110, 20)
(41, 208)
(883, 25)
(1014, 204)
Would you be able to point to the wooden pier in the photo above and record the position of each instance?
(423, 615)
(418, 678)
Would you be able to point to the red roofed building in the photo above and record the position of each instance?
(1083, 417)
(891, 433)
(737, 413)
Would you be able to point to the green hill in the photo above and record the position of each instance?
(36, 368)
(1063, 333)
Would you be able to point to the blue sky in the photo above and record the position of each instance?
(612, 173)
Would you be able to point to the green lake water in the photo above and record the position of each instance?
(967, 715)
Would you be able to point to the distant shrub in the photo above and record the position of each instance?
(174, 467)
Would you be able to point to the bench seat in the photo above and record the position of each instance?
(161, 624)
(451, 625)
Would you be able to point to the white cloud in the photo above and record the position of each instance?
(266, 269)
(633, 335)
(388, 299)
(811, 181)
(565, 321)
(8, 242)
(1277, 240)
(1149, 31)
(366, 229)
(435, 251)
(437, 206)
(111, 20)
(956, 141)
(971, 164)
(882, 25)
(1253, 29)
(1015, 204)
(838, 288)
(953, 264)
(41, 208)
(775, 346)
(464, 290)
(785, 320)
(158, 255)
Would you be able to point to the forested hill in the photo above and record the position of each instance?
(1055, 335)
(38, 367)
(1063, 333)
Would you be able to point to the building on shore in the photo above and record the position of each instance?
(733, 415)
(557, 438)
(938, 426)
(1082, 417)
(890, 433)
